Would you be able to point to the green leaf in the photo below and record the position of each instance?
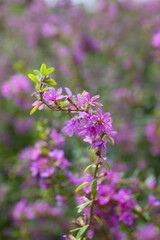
(89, 148)
(82, 232)
(74, 230)
(50, 70)
(135, 196)
(50, 81)
(111, 141)
(83, 206)
(44, 150)
(107, 165)
(87, 168)
(19, 65)
(45, 89)
(81, 186)
(94, 186)
(95, 194)
(35, 109)
(98, 220)
(37, 86)
(43, 69)
(37, 72)
(33, 78)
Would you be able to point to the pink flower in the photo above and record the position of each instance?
(156, 40)
(104, 121)
(152, 202)
(51, 96)
(36, 103)
(87, 99)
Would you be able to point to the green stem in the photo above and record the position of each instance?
(62, 109)
(91, 207)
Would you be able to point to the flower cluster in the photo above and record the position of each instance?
(42, 161)
(23, 210)
(89, 122)
(153, 135)
(15, 88)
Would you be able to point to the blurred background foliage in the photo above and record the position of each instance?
(108, 50)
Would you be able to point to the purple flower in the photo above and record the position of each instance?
(156, 40)
(19, 208)
(58, 138)
(87, 115)
(97, 143)
(148, 232)
(58, 155)
(69, 93)
(152, 202)
(104, 122)
(88, 128)
(78, 57)
(51, 96)
(123, 195)
(42, 168)
(36, 103)
(60, 200)
(18, 83)
(86, 99)
(127, 217)
(36, 151)
(72, 126)
(100, 144)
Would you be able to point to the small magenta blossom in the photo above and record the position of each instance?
(51, 96)
(36, 103)
(89, 128)
(42, 168)
(90, 100)
(147, 232)
(58, 156)
(100, 143)
(104, 122)
(69, 93)
(72, 126)
(34, 210)
(156, 40)
(152, 202)
(58, 138)
(87, 115)
(127, 217)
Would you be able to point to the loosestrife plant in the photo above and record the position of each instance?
(87, 120)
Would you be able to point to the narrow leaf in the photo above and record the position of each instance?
(107, 165)
(37, 86)
(33, 78)
(37, 72)
(111, 141)
(135, 196)
(98, 220)
(83, 206)
(50, 70)
(74, 230)
(35, 109)
(94, 186)
(90, 166)
(50, 81)
(43, 69)
(45, 89)
(82, 232)
(81, 186)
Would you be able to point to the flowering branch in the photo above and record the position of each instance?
(87, 121)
